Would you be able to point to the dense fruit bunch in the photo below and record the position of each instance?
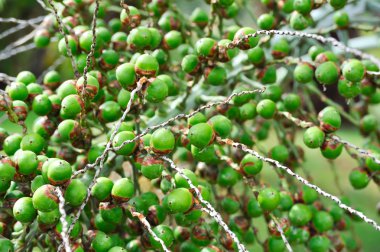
(91, 167)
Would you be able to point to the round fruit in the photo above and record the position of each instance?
(201, 135)
(303, 73)
(359, 178)
(102, 188)
(329, 119)
(123, 190)
(323, 221)
(266, 108)
(157, 91)
(327, 73)
(146, 65)
(353, 70)
(162, 141)
(45, 199)
(300, 215)
(269, 199)
(23, 210)
(179, 200)
(75, 193)
(59, 172)
(313, 137)
(121, 137)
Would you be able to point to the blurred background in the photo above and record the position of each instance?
(360, 12)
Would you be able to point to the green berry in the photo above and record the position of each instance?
(228, 177)
(303, 6)
(24, 211)
(26, 161)
(266, 21)
(164, 233)
(359, 178)
(45, 199)
(59, 172)
(348, 89)
(199, 17)
(190, 64)
(109, 111)
(280, 49)
(157, 91)
(206, 47)
(353, 70)
(123, 190)
(172, 40)
(71, 106)
(179, 200)
(280, 153)
(246, 43)
(300, 215)
(313, 137)
(17, 91)
(75, 193)
(319, 243)
(42, 105)
(329, 119)
(323, 221)
(341, 19)
(33, 142)
(180, 181)
(146, 65)
(201, 135)
(368, 123)
(269, 199)
(251, 165)
(102, 188)
(327, 73)
(26, 77)
(292, 102)
(121, 137)
(256, 56)
(331, 149)
(162, 141)
(303, 73)
(12, 144)
(221, 125)
(266, 108)
(298, 21)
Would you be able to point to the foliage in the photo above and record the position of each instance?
(157, 137)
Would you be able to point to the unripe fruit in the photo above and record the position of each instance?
(269, 199)
(42, 105)
(182, 182)
(303, 6)
(26, 77)
(146, 65)
(41, 38)
(228, 177)
(298, 21)
(266, 108)
(33, 142)
(52, 79)
(246, 43)
(126, 75)
(251, 165)
(123, 190)
(330, 149)
(49, 218)
(337, 4)
(303, 73)
(201, 135)
(102, 188)
(348, 89)
(199, 17)
(280, 153)
(190, 64)
(323, 221)
(26, 161)
(313, 137)
(353, 70)
(132, 17)
(225, 54)
(215, 76)
(327, 73)
(24, 211)
(172, 40)
(139, 38)
(221, 125)
(179, 200)
(329, 119)
(75, 193)
(162, 141)
(230, 205)
(121, 137)
(266, 21)
(253, 208)
(372, 164)
(17, 91)
(102, 242)
(45, 199)
(292, 102)
(341, 19)
(280, 48)
(300, 215)
(368, 123)
(319, 243)
(206, 47)
(12, 144)
(157, 91)
(111, 213)
(59, 172)
(7, 171)
(151, 168)
(71, 106)
(359, 178)
(256, 56)
(109, 111)
(164, 233)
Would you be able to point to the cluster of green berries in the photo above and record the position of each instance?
(151, 45)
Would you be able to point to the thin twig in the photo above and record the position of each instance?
(208, 207)
(244, 148)
(64, 233)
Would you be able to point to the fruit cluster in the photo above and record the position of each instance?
(92, 167)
